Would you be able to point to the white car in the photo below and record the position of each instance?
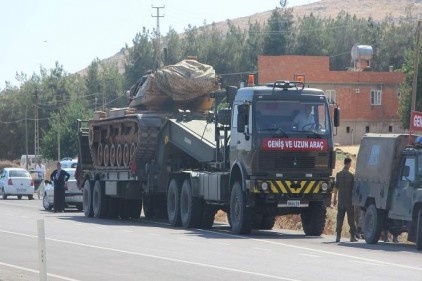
(73, 196)
(16, 182)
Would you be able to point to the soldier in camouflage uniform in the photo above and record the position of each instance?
(343, 194)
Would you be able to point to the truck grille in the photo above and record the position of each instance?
(275, 161)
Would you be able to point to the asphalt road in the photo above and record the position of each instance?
(79, 248)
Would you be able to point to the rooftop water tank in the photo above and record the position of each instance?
(362, 52)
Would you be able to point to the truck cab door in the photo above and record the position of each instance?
(402, 196)
(240, 139)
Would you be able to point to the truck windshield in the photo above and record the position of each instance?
(292, 116)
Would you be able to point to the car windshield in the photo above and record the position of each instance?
(292, 116)
(19, 174)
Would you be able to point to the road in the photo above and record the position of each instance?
(79, 248)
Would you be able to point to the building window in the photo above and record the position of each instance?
(390, 129)
(348, 129)
(376, 97)
(331, 95)
(367, 129)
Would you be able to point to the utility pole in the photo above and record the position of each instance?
(26, 138)
(416, 67)
(158, 44)
(36, 134)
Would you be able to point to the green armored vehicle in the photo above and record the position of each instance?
(388, 186)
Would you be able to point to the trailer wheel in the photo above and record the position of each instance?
(87, 199)
(173, 203)
(99, 200)
(190, 207)
(208, 215)
(148, 205)
(419, 231)
(112, 207)
(372, 224)
(313, 218)
(240, 215)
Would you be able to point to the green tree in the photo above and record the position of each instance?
(173, 49)
(279, 32)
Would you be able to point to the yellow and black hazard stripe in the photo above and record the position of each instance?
(288, 187)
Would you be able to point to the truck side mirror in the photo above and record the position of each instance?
(336, 117)
(242, 117)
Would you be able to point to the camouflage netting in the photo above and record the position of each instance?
(183, 81)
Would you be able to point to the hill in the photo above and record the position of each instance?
(377, 9)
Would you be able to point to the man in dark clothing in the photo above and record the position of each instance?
(59, 177)
(343, 194)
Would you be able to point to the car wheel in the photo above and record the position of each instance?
(47, 206)
(4, 196)
(30, 197)
(19, 197)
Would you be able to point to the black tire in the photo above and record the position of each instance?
(87, 199)
(372, 224)
(124, 209)
(190, 207)
(113, 208)
(19, 197)
(135, 208)
(30, 197)
(240, 215)
(99, 200)
(267, 222)
(419, 231)
(208, 216)
(4, 196)
(45, 204)
(313, 218)
(173, 203)
(148, 205)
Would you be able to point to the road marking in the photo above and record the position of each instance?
(314, 250)
(156, 257)
(36, 271)
(224, 244)
(262, 249)
(367, 263)
(309, 255)
(101, 227)
(20, 205)
(183, 238)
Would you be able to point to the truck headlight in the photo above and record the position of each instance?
(264, 186)
(324, 186)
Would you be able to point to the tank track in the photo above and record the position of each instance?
(114, 143)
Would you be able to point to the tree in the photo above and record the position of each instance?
(172, 53)
(278, 39)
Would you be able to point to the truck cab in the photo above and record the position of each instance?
(388, 186)
(281, 150)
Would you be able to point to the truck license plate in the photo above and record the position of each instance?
(293, 203)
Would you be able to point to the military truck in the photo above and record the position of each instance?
(388, 186)
(245, 157)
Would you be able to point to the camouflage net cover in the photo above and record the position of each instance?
(183, 81)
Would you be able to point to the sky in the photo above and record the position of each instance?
(36, 33)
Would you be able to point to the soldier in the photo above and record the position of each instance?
(343, 194)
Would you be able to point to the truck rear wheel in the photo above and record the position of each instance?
(190, 207)
(372, 224)
(99, 200)
(173, 203)
(87, 199)
(313, 218)
(240, 215)
(419, 231)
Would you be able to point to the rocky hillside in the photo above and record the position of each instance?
(377, 9)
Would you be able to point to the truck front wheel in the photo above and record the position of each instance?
(87, 199)
(173, 203)
(241, 216)
(313, 218)
(372, 224)
(419, 231)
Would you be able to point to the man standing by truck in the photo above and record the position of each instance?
(343, 195)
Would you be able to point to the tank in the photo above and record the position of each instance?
(119, 136)
(361, 52)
